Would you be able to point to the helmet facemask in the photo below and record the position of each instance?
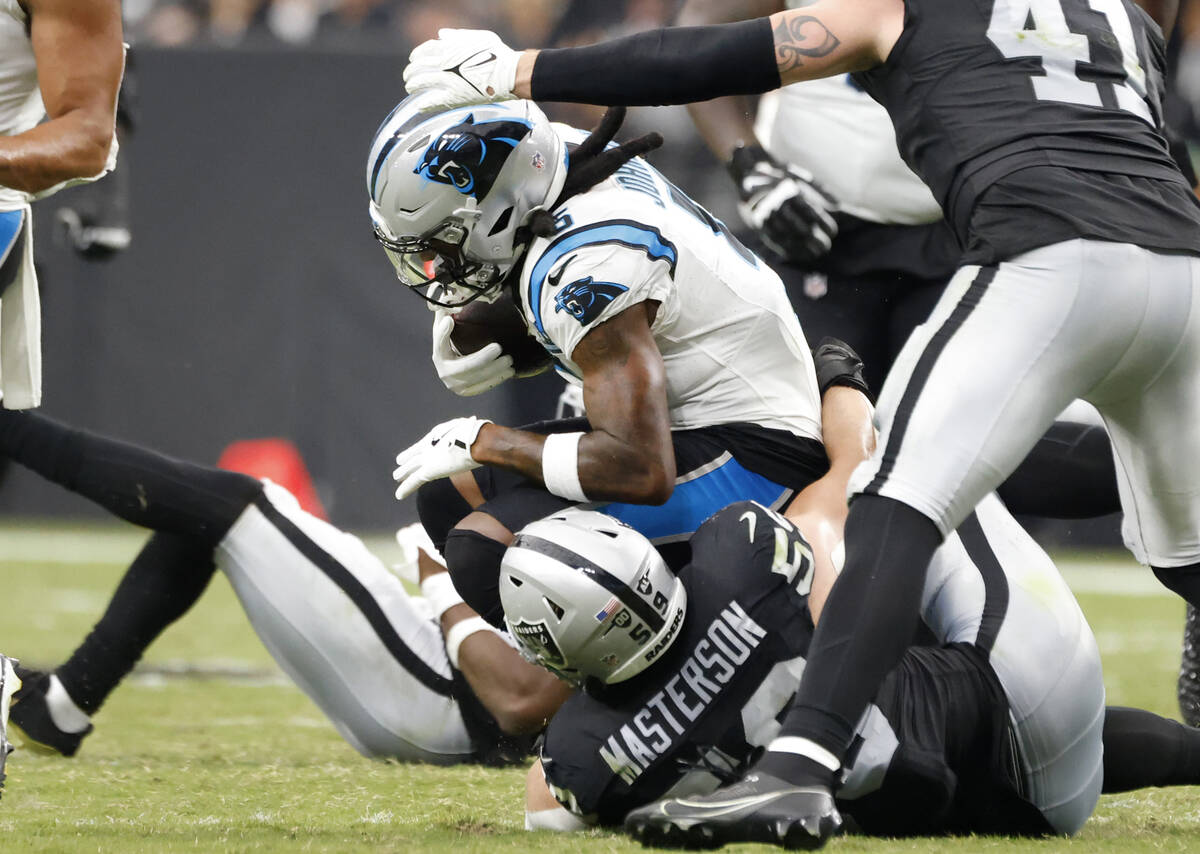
(436, 267)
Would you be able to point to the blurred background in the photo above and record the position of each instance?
(251, 300)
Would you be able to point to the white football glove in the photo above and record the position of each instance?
(444, 450)
(473, 373)
(462, 67)
(791, 212)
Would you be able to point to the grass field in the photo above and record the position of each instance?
(208, 748)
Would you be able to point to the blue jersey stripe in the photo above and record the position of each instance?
(635, 235)
(695, 500)
(10, 227)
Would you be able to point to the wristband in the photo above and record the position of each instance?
(439, 592)
(560, 466)
(462, 630)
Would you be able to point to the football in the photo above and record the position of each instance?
(480, 323)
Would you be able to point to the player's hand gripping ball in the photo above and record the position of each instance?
(479, 324)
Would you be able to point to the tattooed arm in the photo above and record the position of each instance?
(675, 65)
(830, 37)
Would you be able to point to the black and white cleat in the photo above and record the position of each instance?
(758, 808)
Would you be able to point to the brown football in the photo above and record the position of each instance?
(480, 323)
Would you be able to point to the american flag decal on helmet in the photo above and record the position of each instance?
(614, 605)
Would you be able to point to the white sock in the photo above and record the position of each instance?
(66, 715)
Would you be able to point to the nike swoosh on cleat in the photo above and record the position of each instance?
(734, 805)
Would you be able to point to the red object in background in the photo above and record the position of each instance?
(278, 460)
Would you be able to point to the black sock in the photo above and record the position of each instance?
(868, 622)
(138, 485)
(163, 582)
(1142, 749)
(1184, 580)
(1069, 474)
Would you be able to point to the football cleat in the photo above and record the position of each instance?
(34, 720)
(1188, 687)
(758, 808)
(9, 683)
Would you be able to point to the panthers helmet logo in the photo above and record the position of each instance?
(469, 155)
(586, 298)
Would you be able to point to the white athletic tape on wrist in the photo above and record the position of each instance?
(460, 631)
(805, 747)
(560, 466)
(439, 591)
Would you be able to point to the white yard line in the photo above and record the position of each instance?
(42, 543)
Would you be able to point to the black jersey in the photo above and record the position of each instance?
(1036, 121)
(935, 752)
(747, 612)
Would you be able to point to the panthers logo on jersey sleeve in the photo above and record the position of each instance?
(585, 299)
(592, 272)
(470, 155)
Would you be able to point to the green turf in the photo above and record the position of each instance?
(230, 757)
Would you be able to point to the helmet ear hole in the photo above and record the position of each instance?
(502, 221)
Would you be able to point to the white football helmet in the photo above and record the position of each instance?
(586, 595)
(450, 189)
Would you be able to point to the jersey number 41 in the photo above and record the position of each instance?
(1063, 50)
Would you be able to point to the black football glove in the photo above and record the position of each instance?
(837, 364)
(791, 212)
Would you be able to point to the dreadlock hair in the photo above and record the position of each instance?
(590, 162)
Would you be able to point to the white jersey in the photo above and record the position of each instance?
(846, 140)
(730, 341)
(21, 105)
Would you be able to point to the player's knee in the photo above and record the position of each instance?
(440, 506)
(1184, 580)
(473, 559)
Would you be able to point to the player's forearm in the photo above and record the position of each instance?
(75, 145)
(520, 696)
(680, 65)
(609, 468)
(846, 427)
(675, 65)
(725, 124)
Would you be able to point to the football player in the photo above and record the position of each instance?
(1037, 124)
(994, 724)
(697, 380)
(60, 61)
(337, 621)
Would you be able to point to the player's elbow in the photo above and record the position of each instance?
(519, 714)
(653, 483)
(95, 142)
